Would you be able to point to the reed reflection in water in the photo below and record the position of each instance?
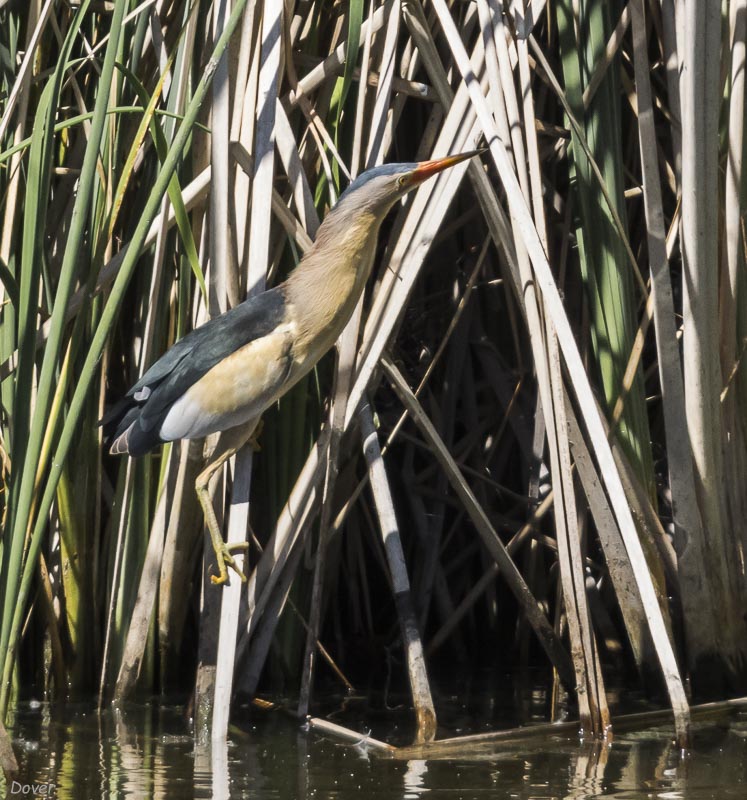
(148, 751)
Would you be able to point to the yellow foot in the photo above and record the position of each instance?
(225, 559)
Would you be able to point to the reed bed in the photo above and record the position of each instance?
(528, 448)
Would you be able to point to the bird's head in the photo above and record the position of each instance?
(378, 189)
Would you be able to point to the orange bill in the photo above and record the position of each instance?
(426, 169)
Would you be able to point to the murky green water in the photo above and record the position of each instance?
(147, 751)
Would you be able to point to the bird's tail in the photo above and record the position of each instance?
(118, 423)
(120, 446)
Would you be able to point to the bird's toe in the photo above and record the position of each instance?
(225, 561)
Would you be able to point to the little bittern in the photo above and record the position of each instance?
(224, 374)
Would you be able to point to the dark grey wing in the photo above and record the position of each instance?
(149, 400)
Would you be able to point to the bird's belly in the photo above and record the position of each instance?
(234, 391)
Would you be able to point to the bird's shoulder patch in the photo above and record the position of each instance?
(143, 409)
(207, 346)
(217, 338)
(238, 388)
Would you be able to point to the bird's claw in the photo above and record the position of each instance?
(224, 558)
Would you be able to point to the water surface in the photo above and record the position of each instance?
(147, 750)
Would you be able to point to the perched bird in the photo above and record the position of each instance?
(224, 374)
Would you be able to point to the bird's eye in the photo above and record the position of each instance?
(401, 180)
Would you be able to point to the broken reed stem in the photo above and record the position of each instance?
(425, 712)
(535, 615)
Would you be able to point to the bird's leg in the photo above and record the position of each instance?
(229, 444)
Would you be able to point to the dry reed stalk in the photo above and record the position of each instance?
(222, 271)
(346, 351)
(348, 735)
(536, 616)
(699, 236)
(259, 235)
(731, 286)
(183, 535)
(592, 705)
(694, 593)
(376, 148)
(342, 384)
(495, 216)
(610, 52)
(615, 555)
(334, 60)
(142, 614)
(425, 711)
(579, 380)
(37, 20)
(254, 662)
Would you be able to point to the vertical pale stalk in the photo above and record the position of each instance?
(700, 249)
(36, 22)
(383, 92)
(732, 281)
(222, 294)
(121, 521)
(346, 349)
(288, 152)
(508, 93)
(222, 282)
(592, 702)
(733, 188)
(355, 161)
(670, 10)
(142, 615)
(267, 92)
(261, 642)
(619, 566)
(701, 95)
(259, 238)
(242, 122)
(695, 590)
(182, 535)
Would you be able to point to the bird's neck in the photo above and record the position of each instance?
(327, 284)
